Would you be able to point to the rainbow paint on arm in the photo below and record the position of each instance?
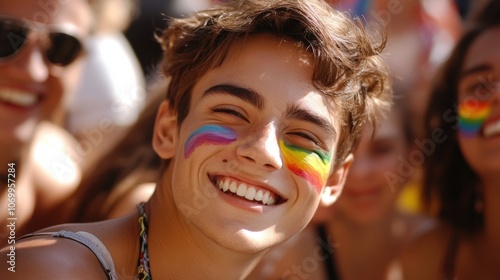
(209, 135)
(314, 166)
(471, 116)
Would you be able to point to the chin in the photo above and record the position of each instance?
(362, 216)
(368, 218)
(248, 242)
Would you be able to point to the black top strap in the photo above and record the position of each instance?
(330, 267)
(449, 259)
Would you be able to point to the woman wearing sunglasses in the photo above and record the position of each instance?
(40, 44)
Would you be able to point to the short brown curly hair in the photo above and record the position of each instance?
(347, 62)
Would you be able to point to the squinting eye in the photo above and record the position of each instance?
(307, 137)
(481, 88)
(230, 112)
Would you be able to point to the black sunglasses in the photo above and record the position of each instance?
(60, 48)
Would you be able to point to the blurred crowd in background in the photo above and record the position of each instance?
(91, 157)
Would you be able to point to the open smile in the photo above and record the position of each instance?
(19, 98)
(491, 127)
(249, 192)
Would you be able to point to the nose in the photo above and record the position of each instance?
(30, 65)
(262, 149)
(361, 167)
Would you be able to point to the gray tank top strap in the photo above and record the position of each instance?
(91, 242)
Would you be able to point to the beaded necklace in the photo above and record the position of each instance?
(143, 269)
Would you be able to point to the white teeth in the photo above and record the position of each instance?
(225, 187)
(248, 192)
(265, 198)
(233, 187)
(258, 195)
(18, 98)
(242, 189)
(492, 129)
(250, 195)
(270, 201)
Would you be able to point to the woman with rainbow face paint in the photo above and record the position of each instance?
(462, 174)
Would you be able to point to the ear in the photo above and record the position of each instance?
(335, 183)
(165, 131)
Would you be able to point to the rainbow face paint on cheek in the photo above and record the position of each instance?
(313, 166)
(208, 135)
(471, 116)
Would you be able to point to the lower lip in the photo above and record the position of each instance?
(242, 203)
(21, 109)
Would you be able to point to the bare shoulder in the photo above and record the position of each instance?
(47, 257)
(423, 257)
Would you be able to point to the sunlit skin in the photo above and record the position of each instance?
(364, 227)
(208, 135)
(263, 92)
(313, 166)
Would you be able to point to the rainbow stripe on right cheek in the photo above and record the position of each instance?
(471, 116)
(307, 164)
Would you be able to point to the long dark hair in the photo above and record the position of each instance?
(449, 182)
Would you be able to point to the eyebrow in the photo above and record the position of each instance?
(295, 112)
(242, 93)
(475, 69)
(252, 97)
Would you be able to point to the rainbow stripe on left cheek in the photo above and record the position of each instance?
(313, 166)
(208, 135)
(471, 116)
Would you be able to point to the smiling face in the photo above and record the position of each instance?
(479, 102)
(31, 88)
(367, 197)
(253, 121)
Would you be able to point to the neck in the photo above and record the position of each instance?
(370, 246)
(178, 250)
(369, 236)
(379, 227)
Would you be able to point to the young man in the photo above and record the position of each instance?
(265, 102)
(40, 51)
